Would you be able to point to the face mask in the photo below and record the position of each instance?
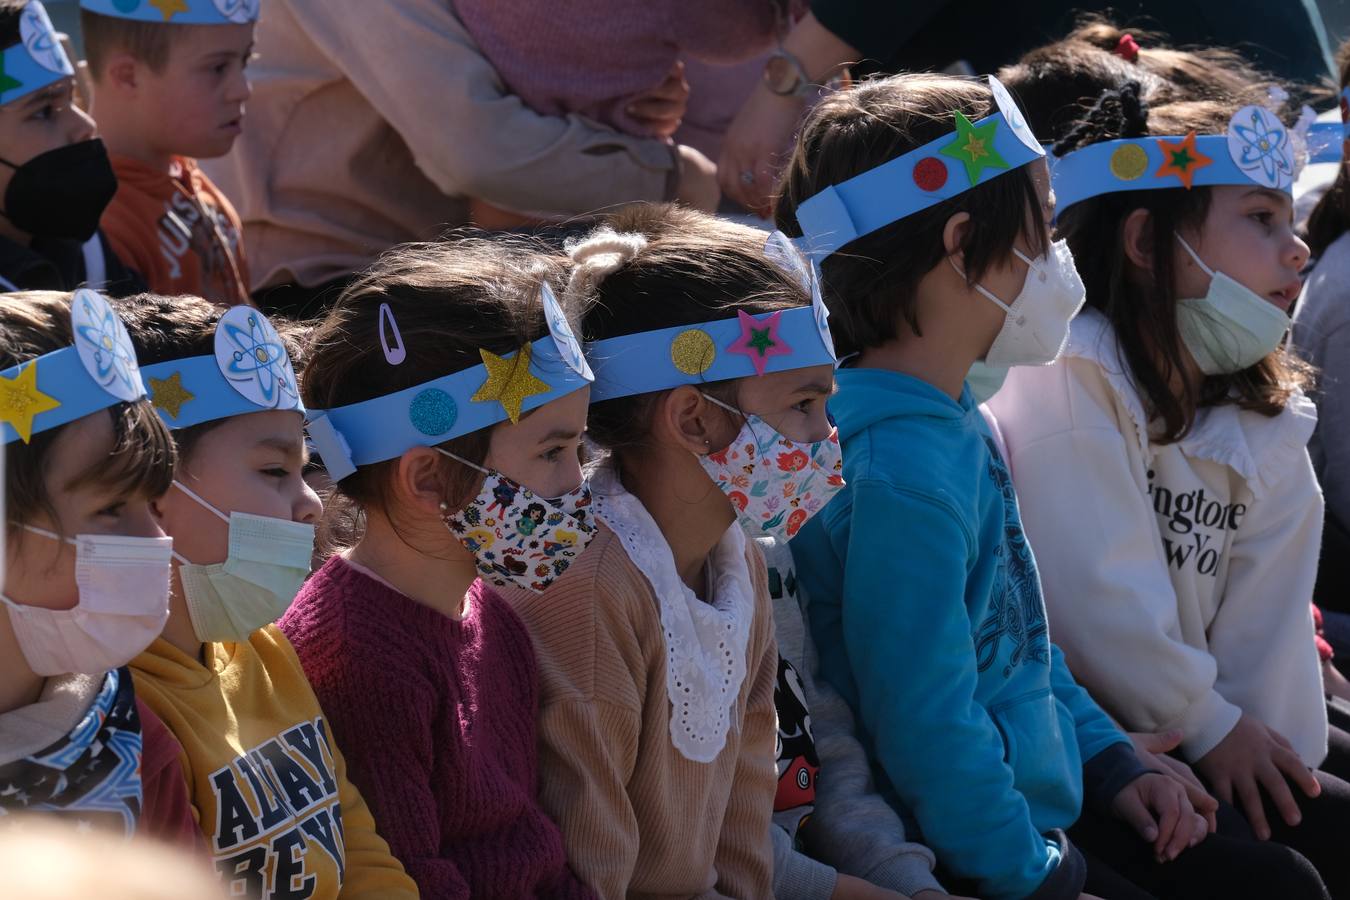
(267, 563)
(985, 380)
(1037, 324)
(517, 538)
(123, 604)
(1230, 328)
(61, 193)
(774, 482)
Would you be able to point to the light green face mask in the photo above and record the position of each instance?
(985, 380)
(1231, 327)
(268, 562)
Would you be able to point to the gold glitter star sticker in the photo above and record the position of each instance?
(169, 8)
(169, 394)
(509, 381)
(20, 401)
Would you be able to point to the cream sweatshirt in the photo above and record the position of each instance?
(1177, 576)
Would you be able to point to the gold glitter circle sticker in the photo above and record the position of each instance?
(1129, 162)
(692, 352)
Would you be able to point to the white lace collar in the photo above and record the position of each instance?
(1259, 448)
(705, 642)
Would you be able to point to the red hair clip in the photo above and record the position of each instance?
(1127, 48)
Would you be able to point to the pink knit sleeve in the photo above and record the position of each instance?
(166, 809)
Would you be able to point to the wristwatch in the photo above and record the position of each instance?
(785, 76)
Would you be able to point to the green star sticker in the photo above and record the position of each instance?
(7, 82)
(760, 340)
(974, 147)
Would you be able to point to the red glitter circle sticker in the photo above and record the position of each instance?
(930, 174)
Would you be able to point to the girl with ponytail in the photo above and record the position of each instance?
(1179, 580)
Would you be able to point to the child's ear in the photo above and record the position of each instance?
(688, 420)
(954, 236)
(419, 481)
(122, 72)
(1137, 236)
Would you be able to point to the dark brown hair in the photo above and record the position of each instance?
(169, 328)
(34, 323)
(146, 42)
(685, 268)
(10, 12)
(1059, 82)
(450, 299)
(1331, 216)
(1143, 311)
(869, 285)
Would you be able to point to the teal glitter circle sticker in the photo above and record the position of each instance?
(433, 412)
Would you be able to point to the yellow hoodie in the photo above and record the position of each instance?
(269, 787)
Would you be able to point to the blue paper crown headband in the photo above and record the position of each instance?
(249, 372)
(36, 61)
(96, 372)
(1257, 149)
(453, 405)
(717, 351)
(178, 12)
(951, 165)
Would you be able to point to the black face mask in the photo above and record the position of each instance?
(61, 193)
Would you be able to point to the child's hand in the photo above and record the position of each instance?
(1157, 807)
(931, 894)
(1152, 750)
(661, 110)
(1252, 757)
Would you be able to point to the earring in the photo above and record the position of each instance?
(445, 511)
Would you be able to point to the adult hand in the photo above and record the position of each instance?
(661, 110)
(1253, 757)
(1155, 805)
(698, 180)
(1153, 749)
(756, 146)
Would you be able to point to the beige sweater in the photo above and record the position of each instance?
(368, 127)
(639, 819)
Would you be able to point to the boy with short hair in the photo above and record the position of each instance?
(55, 179)
(168, 82)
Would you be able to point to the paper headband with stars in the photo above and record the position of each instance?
(705, 352)
(36, 61)
(1256, 149)
(178, 12)
(249, 372)
(431, 413)
(96, 372)
(939, 170)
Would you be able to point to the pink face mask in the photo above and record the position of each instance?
(774, 482)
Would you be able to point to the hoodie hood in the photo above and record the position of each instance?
(869, 396)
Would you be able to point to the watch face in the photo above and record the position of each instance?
(780, 76)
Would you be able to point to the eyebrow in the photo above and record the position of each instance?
(43, 96)
(820, 388)
(1269, 194)
(289, 446)
(560, 434)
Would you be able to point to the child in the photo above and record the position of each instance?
(54, 173)
(656, 647)
(87, 573)
(452, 399)
(265, 775)
(926, 603)
(1177, 423)
(1322, 336)
(169, 88)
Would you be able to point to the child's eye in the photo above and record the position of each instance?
(276, 472)
(45, 113)
(1265, 217)
(113, 510)
(805, 406)
(555, 454)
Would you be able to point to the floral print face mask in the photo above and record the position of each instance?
(516, 537)
(774, 482)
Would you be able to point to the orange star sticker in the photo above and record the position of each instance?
(21, 401)
(1182, 159)
(169, 8)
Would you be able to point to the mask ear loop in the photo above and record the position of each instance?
(745, 417)
(1195, 256)
(200, 501)
(982, 289)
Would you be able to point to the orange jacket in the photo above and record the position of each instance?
(177, 230)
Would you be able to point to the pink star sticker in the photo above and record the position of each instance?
(759, 340)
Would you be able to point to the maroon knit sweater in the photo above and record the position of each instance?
(436, 719)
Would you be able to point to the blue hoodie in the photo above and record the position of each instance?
(926, 607)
